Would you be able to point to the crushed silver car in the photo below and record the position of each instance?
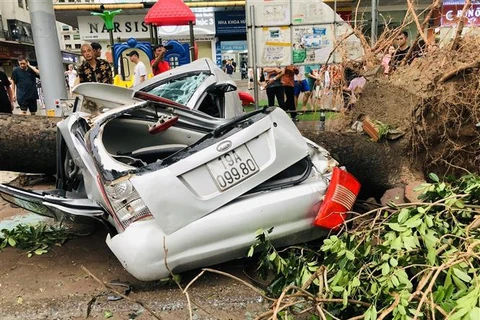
(183, 189)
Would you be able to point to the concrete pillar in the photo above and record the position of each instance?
(48, 52)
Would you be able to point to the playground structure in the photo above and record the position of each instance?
(177, 56)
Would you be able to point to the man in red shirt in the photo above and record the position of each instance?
(158, 63)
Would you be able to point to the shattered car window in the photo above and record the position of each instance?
(180, 89)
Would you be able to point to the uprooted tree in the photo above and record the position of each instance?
(433, 101)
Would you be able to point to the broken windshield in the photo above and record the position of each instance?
(179, 89)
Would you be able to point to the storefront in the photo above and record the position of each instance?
(9, 53)
(69, 58)
(231, 33)
(449, 16)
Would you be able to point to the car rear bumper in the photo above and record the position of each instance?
(148, 253)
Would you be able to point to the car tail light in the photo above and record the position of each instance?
(339, 198)
(125, 203)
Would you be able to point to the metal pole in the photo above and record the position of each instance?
(192, 42)
(48, 52)
(112, 42)
(254, 55)
(374, 22)
(150, 27)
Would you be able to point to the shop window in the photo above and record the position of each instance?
(76, 37)
(20, 3)
(66, 37)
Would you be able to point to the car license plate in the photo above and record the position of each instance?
(232, 167)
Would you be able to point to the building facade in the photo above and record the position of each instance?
(16, 38)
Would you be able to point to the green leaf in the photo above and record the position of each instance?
(40, 251)
(355, 282)
(460, 284)
(272, 256)
(250, 252)
(396, 227)
(337, 289)
(433, 177)
(107, 314)
(462, 275)
(474, 313)
(460, 204)
(414, 221)
(394, 280)
(401, 310)
(349, 255)
(403, 215)
(385, 269)
(12, 242)
(393, 262)
(397, 244)
(409, 242)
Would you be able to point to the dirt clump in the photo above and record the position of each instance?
(435, 101)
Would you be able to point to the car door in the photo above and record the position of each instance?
(52, 205)
(231, 159)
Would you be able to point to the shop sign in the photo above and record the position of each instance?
(125, 26)
(230, 22)
(204, 27)
(240, 45)
(452, 12)
(11, 52)
(69, 58)
(133, 26)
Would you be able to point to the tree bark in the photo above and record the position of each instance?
(27, 143)
(377, 165)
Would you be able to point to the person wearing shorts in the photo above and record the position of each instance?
(301, 85)
(25, 86)
(311, 74)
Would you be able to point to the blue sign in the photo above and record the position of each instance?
(239, 45)
(230, 22)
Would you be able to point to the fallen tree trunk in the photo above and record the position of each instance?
(377, 165)
(28, 145)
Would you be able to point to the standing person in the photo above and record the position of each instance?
(25, 86)
(386, 60)
(234, 65)
(301, 85)
(274, 86)
(244, 69)
(94, 69)
(250, 78)
(71, 77)
(6, 94)
(288, 83)
(140, 71)
(402, 49)
(311, 74)
(158, 63)
(229, 67)
(97, 49)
